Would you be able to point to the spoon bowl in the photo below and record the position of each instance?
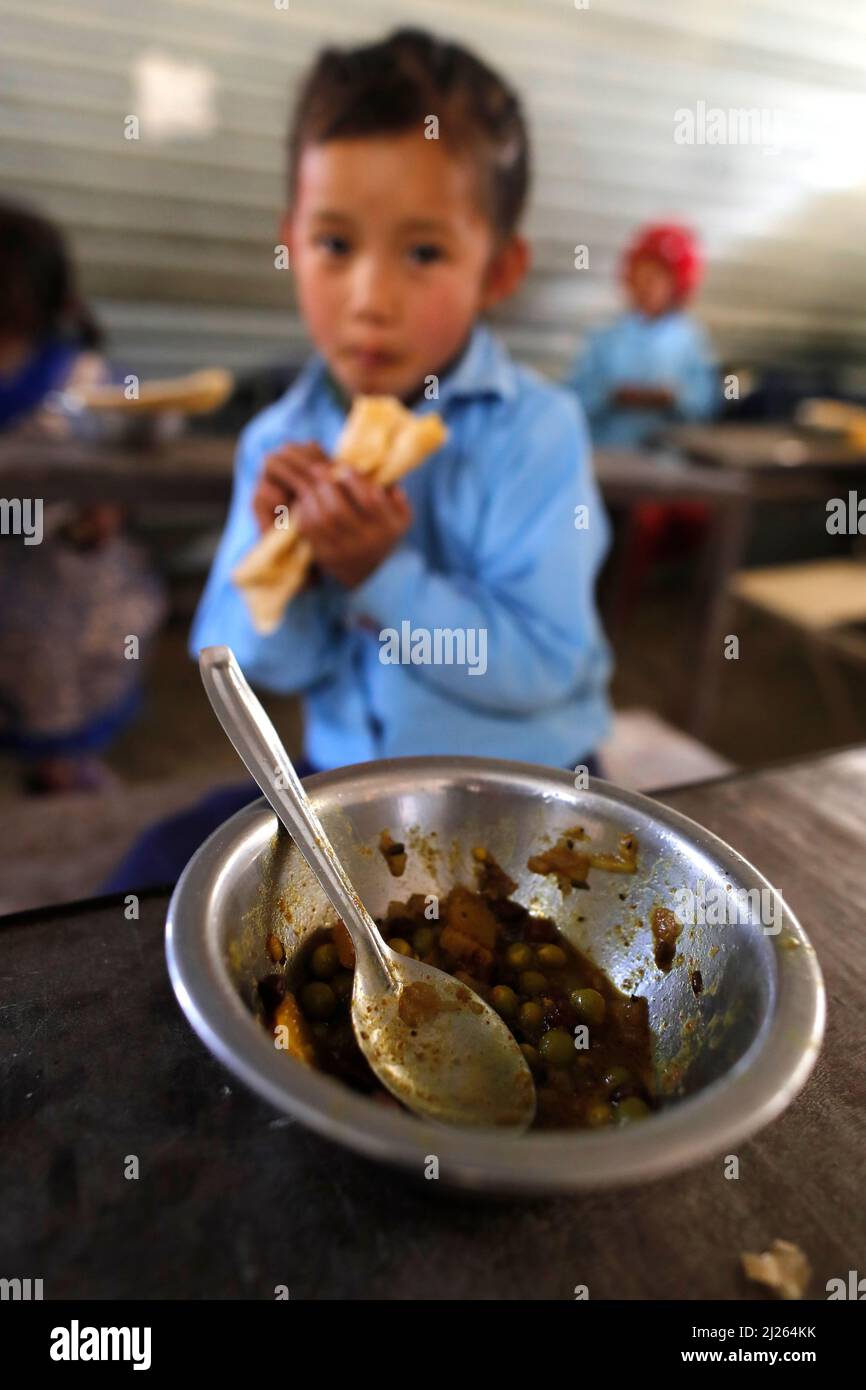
(439, 1048)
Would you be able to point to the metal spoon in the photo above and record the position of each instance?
(431, 1041)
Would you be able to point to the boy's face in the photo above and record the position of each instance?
(652, 287)
(393, 258)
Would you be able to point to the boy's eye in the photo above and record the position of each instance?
(425, 252)
(336, 245)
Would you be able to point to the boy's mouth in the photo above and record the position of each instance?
(370, 358)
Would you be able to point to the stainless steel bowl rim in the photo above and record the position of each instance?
(748, 1097)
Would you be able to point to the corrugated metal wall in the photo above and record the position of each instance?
(175, 238)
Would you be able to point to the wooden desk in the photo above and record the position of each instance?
(758, 447)
(781, 462)
(194, 468)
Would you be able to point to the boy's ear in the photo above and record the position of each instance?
(508, 266)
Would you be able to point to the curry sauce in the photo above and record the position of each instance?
(588, 1045)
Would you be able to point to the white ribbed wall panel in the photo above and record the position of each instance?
(175, 240)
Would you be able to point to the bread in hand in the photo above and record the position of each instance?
(381, 439)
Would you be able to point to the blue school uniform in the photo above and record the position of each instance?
(498, 544)
(672, 351)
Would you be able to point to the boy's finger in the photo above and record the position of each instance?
(362, 495)
(319, 517)
(309, 451)
(291, 472)
(307, 515)
(337, 506)
(393, 504)
(277, 474)
(265, 504)
(400, 498)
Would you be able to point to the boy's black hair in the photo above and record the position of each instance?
(38, 297)
(393, 85)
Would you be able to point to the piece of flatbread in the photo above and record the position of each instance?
(196, 394)
(371, 427)
(381, 439)
(783, 1268)
(271, 574)
(409, 447)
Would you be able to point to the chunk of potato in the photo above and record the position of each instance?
(296, 1039)
(470, 915)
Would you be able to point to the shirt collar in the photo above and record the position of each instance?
(484, 369)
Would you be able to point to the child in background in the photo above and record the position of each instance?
(398, 243)
(68, 603)
(652, 367)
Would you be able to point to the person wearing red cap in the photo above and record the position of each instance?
(653, 365)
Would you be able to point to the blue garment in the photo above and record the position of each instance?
(671, 352)
(93, 737)
(494, 545)
(23, 391)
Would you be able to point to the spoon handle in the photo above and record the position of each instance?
(259, 746)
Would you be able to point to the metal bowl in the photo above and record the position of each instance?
(728, 1059)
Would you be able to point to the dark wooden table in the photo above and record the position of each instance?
(758, 447)
(194, 468)
(99, 1065)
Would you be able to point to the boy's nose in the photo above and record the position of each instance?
(373, 291)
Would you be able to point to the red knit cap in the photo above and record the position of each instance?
(676, 248)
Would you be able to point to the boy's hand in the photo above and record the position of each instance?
(287, 470)
(644, 398)
(350, 522)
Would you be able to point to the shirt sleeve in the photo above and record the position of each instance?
(698, 390)
(590, 378)
(529, 595)
(308, 645)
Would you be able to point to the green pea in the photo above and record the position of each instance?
(631, 1109)
(424, 939)
(318, 1000)
(615, 1077)
(598, 1114)
(532, 982)
(504, 1001)
(532, 1055)
(530, 1017)
(557, 1047)
(402, 947)
(589, 1005)
(342, 984)
(552, 956)
(324, 962)
(519, 955)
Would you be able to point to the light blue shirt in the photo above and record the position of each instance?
(497, 543)
(672, 352)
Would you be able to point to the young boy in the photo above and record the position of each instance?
(408, 173)
(652, 366)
